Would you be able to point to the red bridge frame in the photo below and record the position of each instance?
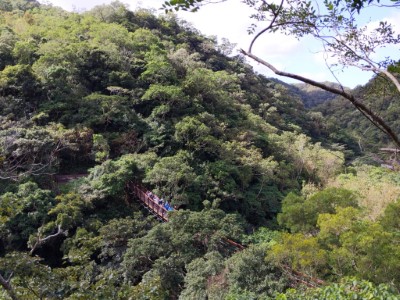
(151, 204)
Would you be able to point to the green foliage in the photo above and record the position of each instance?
(390, 219)
(191, 132)
(377, 187)
(80, 248)
(333, 225)
(100, 148)
(22, 213)
(69, 210)
(263, 235)
(300, 214)
(7, 43)
(360, 247)
(31, 150)
(348, 288)
(157, 68)
(309, 159)
(30, 278)
(249, 271)
(313, 96)
(117, 232)
(344, 243)
(148, 289)
(301, 253)
(199, 271)
(111, 176)
(380, 96)
(129, 96)
(23, 5)
(101, 111)
(115, 12)
(172, 175)
(192, 5)
(20, 91)
(167, 248)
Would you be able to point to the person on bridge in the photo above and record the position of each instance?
(168, 206)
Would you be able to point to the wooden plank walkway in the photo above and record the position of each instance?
(149, 201)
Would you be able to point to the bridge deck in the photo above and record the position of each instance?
(151, 203)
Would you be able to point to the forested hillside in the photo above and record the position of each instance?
(112, 96)
(313, 96)
(379, 96)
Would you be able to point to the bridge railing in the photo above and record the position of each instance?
(151, 203)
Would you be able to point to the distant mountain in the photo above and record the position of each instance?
(341, 116)
(313, 96)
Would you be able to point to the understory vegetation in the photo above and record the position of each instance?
(111, 96)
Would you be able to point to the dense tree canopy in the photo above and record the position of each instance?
(109, 97)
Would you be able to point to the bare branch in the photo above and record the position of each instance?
(330, 70)
(373, 117)
(276, 14)
(40, 241)
(392, 78)
(7, 286)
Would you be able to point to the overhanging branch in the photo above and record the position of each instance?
(373, 117)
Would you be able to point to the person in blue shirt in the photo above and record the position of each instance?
(168, 206)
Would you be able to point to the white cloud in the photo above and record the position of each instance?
(395, 21)
(276, 45)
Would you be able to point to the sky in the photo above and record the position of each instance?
(230, 20)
